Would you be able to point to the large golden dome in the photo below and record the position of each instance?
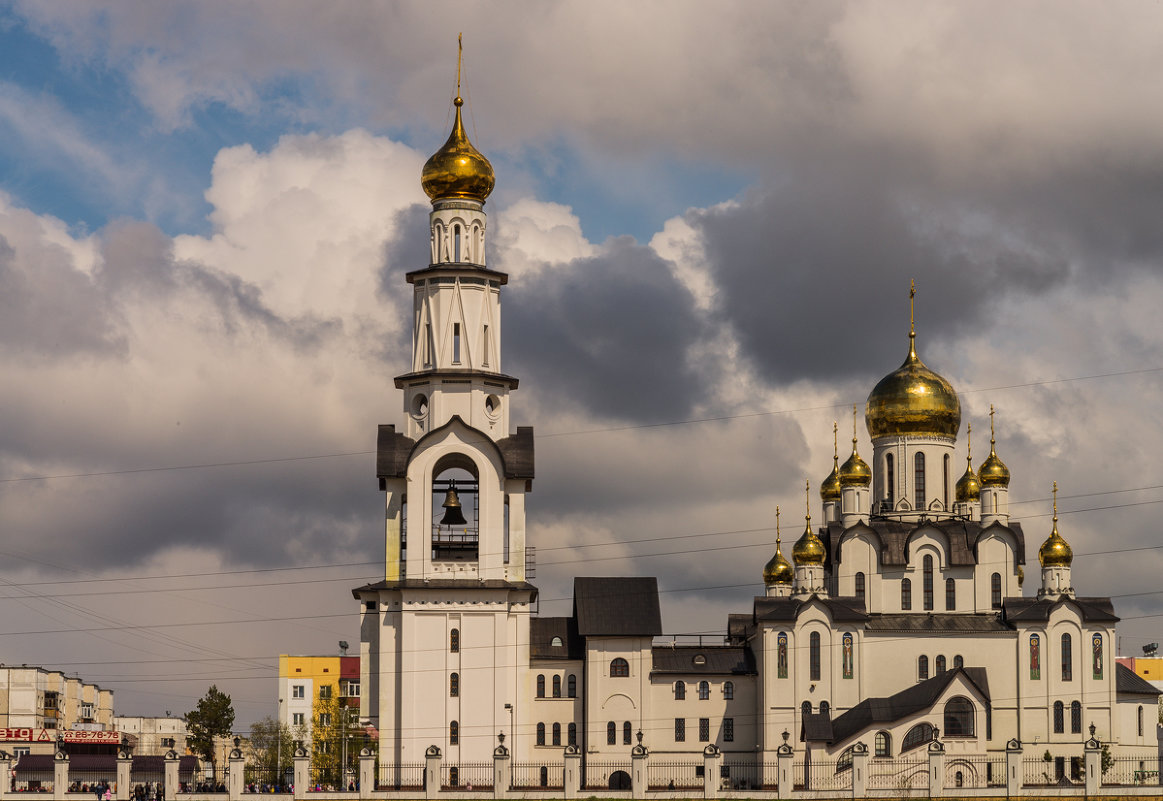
(457, 170)
(913, 400)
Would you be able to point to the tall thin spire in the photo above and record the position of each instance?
(1055, 492)
(912, 321)
(459, 55)
(808, 503)
(777, 527)
(969, 444)
(835, 444)
(854, 414)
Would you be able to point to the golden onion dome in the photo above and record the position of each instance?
(809, 548)
(855, 472)
(1055, 551)
(457, 170)
(968, 487)
(778, 570)
(913, 400)
(993, 471)
(830, 489)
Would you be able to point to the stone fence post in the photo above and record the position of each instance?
(302, 774)
(60, 774)
(502, 769)
(712, 762)
(859, 770)
(1092, 749)
(936, 769)
(639, 757)
(1013, 768)
(171, 775)
(572, 771)
(124, 775)
(367, 771)
(432, 772)
(784, 757)
(236, 774)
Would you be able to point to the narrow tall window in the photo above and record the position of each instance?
(485, 347)
(946, 476)
(571, 734)
(1075, 717)
(1140, 721)
(906, 594)
(958, 661)
(950, 595)
(889, 480)
(704, 691)
(680, 690)
(814, 656)
(540, 685)
(959, 717)
(611, 733)
(728, 730)
(806, 708)
(427, 344)
(1059, 723)
(825, 708)
(922, 668)
(454, 733)
(729, 690)
(928, 581)
(995, 590)
(454, 685)
(704, 730)
(680, 730)
(540, 734)
(627, 733)
(571, 686)
(453, 774)
(456, 343)
(860, 587)
(556, 734)
(1067, 658)
(919, 481)
(454, 641)
(883, 744)
(619, 668)
(456, 243)
(939, 665)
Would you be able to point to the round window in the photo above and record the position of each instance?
(420, 406)
(493, 407)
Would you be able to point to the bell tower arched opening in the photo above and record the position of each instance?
(455, 500)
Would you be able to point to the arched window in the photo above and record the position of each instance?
(541, 734)
(959, 717)
(939, 665)
(454, 685)
(704, 691)
(627, 733)
(889, 480)
(1140, 721)
(950, 595)
(806, 708)
(825, 707)
(540, 685)
(1075, 717)
(454, 733)
(917, 736)
(729, 690)
(619, 668)
(611, 733)
(680, 691)
(946, 475)
(860, 587)
(571, 686)
(883, 744)
(571, 734)
(958, 661)
(454, 641)
(1067, 658)
(922, 667)
(927, 585)
(456, 243)
(995, 590)
(557, 734)
(556, 686)
(814, 656)
(556, 641)
(1059, 714)
(919, 481)
(906, 594)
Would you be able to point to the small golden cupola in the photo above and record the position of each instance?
(1055, 551)
(809, 548)
(993, 472)
(457, 171)
(968, 488)
(830, 489)
(778, 570)
(855, 472)
(913, 399)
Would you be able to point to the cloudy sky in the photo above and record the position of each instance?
(710, 218)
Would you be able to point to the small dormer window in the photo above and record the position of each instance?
(699, 659)
(556, 642)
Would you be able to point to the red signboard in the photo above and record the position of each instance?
(29, 735)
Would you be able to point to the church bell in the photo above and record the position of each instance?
(453, 516)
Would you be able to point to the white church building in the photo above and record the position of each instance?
(900, 619)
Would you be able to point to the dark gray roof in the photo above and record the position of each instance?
(1128, 681)
(446, 584)
(893, 536)
(394, 451)
(739, 627)
(1094, 610)
(817, 727)
(937, 621)
(717, 659)
(917, 698)
(842, 610)
(542, 630)
(617, 606)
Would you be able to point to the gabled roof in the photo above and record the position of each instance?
(1034, 610)
(718, 659)
(817, 727)
(937, 621)
(842, 610)
(894, 535)
(1128, 681)
(617, 606)
(394, 451)
(542, 631)
(917, 698)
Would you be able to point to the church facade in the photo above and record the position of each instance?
(903, 616)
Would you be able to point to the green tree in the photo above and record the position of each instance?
(213, 717)
(273, 746)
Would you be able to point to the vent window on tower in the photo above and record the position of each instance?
(456, 343)
(919, 481)
(456, 243)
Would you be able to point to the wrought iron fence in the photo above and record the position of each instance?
(606, 776)
(898, 774)
(674, 775)
(532, 775)
(404, 776)
(84, 781)
(1041, 772)
(978, 772)
(1129, 771)
(208, 778)
(267, 779)
(32, 785)
(822, 774)
(745, 774)
(467, 776)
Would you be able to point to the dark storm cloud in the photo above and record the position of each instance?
(610, 334)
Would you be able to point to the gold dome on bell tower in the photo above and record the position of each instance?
(457, 170)
(1055, 551)
(830, 489)
(968, 488)
(778, 570)
(809, 548)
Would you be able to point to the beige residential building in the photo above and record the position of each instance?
(38, 707)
